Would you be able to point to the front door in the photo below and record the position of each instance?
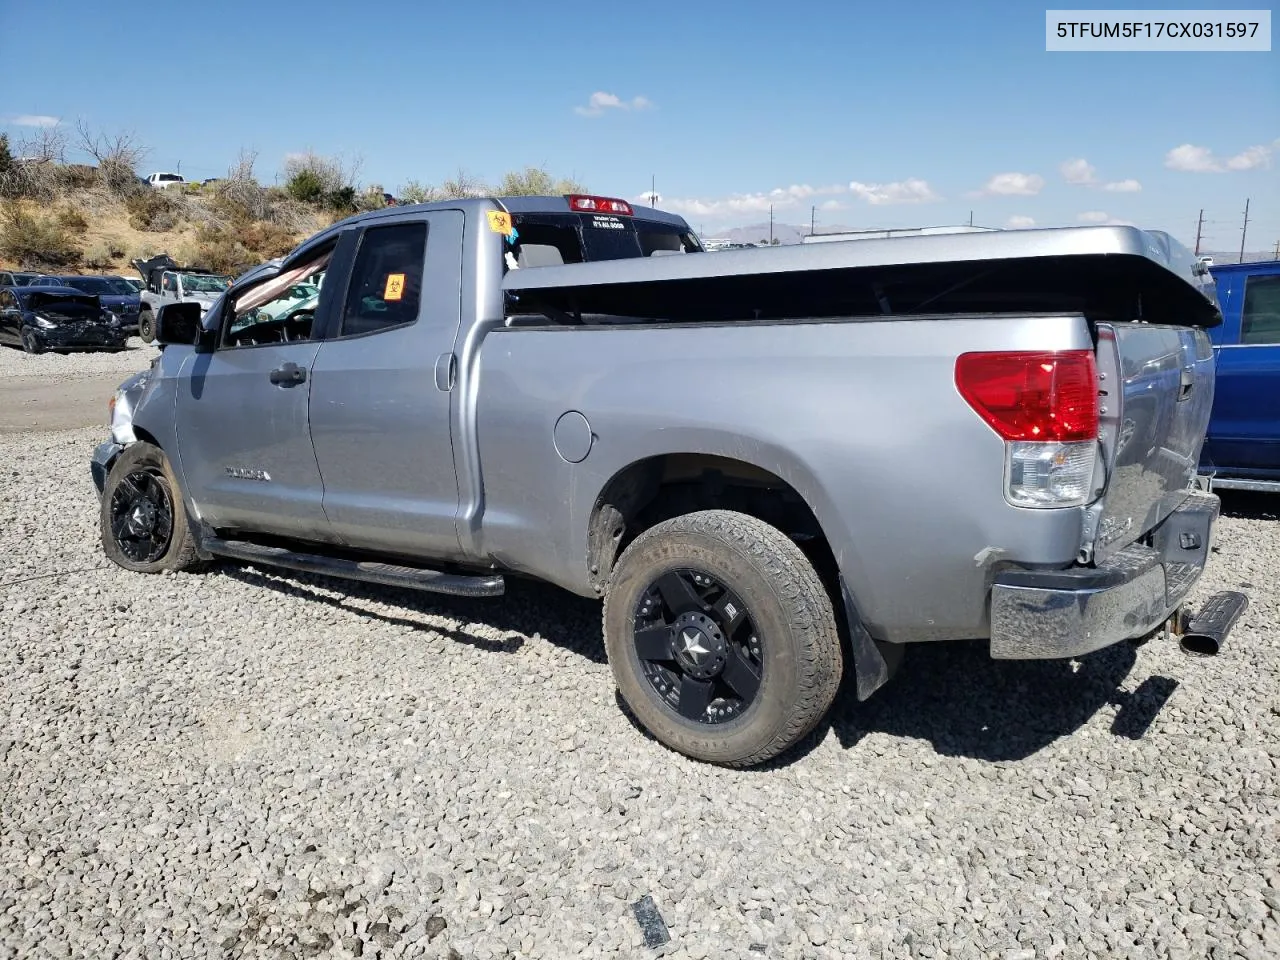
(381, 390)
(244, 435)
(1244, 436)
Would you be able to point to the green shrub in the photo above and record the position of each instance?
(306, 185)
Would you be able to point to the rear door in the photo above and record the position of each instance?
(1244, 437)
(380, 393)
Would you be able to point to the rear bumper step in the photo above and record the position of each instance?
(1203, 633)
(1050, 614)
(387, 574)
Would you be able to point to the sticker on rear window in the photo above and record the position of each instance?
(500, 222)
(607, 223)
(395, 287)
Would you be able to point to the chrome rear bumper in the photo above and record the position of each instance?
(1048, 614)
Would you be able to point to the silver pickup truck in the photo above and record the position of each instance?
(776, 467)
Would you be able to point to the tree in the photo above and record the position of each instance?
(463, 185)
(117, 156)
(415, 192)
(46, 144)
(536, 182)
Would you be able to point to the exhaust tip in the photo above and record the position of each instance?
(1200, 645)
(1204, 633)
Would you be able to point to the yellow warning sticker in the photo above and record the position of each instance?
(500, 222)
(395, 287)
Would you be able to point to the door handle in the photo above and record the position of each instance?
(287, 374)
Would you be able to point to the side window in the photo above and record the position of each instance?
(279, 310)
(386, 281)
(1260, 313)
(170, 283)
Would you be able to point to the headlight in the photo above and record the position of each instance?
(44, 323)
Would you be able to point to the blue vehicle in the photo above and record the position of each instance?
(116, 294)
(1242, 450)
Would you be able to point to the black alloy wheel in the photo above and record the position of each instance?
(141, 515)
(698, 646)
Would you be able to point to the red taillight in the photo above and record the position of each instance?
(1033, 396)
(584, 204)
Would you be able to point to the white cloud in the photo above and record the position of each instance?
(760, 202)
(902, 191)
(1012, 185)
(33, 120)
(1094, 216)
(600, 101)
(1078, 171)
(832, 205)
(1123, 186)
(650, 198)
(1019, 222)
(1190, 158)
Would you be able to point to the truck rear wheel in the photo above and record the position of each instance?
(143, 522)
(721, 637)
(146, 325)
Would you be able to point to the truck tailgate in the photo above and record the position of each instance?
(1157, 391)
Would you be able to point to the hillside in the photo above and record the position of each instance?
(56, 216)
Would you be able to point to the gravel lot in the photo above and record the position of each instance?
(246, 764)
(63, 367)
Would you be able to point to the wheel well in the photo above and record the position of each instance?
(659, 488)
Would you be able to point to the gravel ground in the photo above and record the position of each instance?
(70, 366)
(240, 764)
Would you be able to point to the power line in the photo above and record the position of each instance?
(1244, 229)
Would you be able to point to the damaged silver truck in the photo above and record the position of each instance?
(776, 467)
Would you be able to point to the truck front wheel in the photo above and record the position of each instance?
(146, 325)
(143, 521)
(721, 637)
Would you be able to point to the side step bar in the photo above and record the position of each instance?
(1203, 633)
(387, 574)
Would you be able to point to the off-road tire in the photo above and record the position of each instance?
(180, 552)
(147, 325)
(30, 344)
(801, 655)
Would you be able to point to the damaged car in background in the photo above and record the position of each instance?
(41, 318)
(165, 282)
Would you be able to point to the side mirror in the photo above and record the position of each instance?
(178, 324)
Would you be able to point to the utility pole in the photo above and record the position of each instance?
(771, 225)
(1199, 227)
(1244, 229)
(653, 190)
(971, 218)
(813, 219)
(1277, 253)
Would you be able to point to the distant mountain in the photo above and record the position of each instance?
(759, 233)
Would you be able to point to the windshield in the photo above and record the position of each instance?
(204, 283)
(102, 286)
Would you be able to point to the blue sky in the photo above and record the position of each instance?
(887, 115)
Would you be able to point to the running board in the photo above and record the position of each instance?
(387, 574)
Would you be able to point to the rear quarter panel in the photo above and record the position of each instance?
(861, 418)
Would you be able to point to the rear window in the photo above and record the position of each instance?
(551, 239)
